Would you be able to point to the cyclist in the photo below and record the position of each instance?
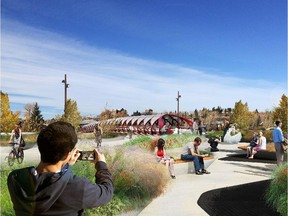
(16, 136)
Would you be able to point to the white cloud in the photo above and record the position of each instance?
(34, 63)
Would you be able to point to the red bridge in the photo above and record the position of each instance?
(148, 124)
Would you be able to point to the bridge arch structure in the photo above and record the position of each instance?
(144, 124)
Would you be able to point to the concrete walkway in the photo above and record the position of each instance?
(182, 194)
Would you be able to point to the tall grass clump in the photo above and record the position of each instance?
(137, 176)
(276, 194)
(137, 179)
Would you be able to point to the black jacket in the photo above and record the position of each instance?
(58, 193)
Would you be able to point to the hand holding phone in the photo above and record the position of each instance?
(87, 155)
(99, 155)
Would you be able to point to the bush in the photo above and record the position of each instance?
(248, 134)
(136, 174)
(276, 195)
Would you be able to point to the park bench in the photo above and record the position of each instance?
(190, 164)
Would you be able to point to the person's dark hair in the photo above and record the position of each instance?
(277, 122)
(197, 139)
(160, 143)
(56, 141)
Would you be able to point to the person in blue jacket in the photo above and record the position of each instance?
(278, 138)
(51, 188)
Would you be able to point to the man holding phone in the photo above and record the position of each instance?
(51, 188)
(191, 152)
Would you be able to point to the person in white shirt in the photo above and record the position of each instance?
(261, 144)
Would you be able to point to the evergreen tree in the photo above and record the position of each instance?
(8, 118)
(36, 118)
(72, 115)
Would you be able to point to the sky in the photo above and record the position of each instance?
(138, 54)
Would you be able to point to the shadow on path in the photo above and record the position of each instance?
(245, 199)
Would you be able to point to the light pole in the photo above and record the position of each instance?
(178, 97)
(66, 85)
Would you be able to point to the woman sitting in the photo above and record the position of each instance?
(252, 144)
(168, 161)
(261, 144)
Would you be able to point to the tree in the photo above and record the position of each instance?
(72, 115)
(241, 115)
(8, 118)
(280, 113)
(27, 116)
(36, 118)
(137, 113)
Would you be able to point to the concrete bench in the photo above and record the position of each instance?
(190, 167)
(262, 153)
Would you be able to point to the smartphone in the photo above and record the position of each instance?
(87, 155)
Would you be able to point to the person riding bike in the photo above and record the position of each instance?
(16, 136)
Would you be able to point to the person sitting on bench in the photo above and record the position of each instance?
(191, 153)
(261, 144)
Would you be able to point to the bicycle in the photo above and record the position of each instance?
(15, 154)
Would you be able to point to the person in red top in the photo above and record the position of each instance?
(168, 161)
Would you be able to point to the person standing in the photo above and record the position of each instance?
(278, 138)
(195, 127)
(98, 135)
(191, 153)
(51, 188)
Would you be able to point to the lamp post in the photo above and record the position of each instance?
(66, 85)
(177, 99)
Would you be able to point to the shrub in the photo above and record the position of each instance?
(171, 141)
(276, 195)
(248, 134)
(142, 141)
(136, 174)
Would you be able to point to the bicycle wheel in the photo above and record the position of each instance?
(11, 158)
(20, 156)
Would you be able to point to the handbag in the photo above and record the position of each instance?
(22, 142)
(285, 146)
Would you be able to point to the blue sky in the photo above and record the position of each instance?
(138, 54)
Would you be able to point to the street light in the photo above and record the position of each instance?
(66, 85)
(178, 97)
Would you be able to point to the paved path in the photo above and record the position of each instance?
(182, 194)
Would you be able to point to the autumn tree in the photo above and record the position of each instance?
(8, 118)
(241, 115)
(72, 115)
(37, 119)
(280, 113)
